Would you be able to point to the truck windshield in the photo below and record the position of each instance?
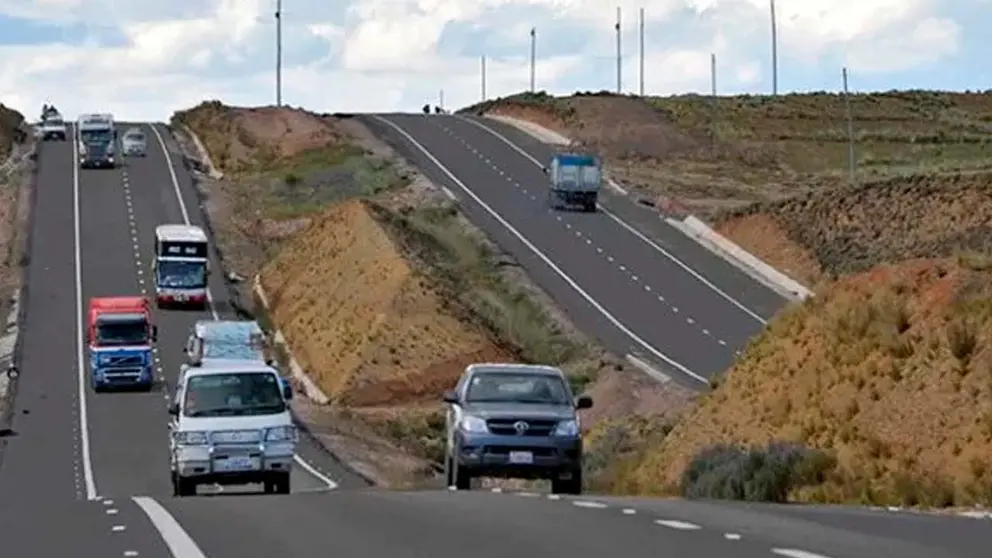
(234, 394)
(122, 333)
(181, 275)
(96, 136)
(502, 387)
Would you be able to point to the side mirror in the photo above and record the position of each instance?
(154, 333)
(583, 402)
(450, 396)
(544, 170)
(287, 389)
(174, 409)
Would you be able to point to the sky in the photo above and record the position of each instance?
(144, 60)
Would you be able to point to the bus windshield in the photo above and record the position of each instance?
(181, 274)
(114, 334)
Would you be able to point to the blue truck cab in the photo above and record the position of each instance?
(120, 337)
(575, 181)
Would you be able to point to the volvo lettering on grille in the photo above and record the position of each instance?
(521, 427)
(125, 360)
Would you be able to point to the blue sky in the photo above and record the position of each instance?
(362, 55)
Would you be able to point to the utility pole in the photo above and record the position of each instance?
(851, 162)
(483, 69)
(278, 53)
(533, 59)
(641, 38)
(440, 100)
(713, 75)
(771, 8)
(619, 56)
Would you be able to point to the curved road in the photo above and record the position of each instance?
(86, 474)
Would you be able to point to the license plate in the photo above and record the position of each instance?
(235, 463)
(182, 297)
(521, 457)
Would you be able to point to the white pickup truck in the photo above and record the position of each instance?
(52, 126)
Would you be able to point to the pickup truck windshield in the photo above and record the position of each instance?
(136, 137)
(234, 394)
(122, 333)
(96, 136)
(181, 275)
(503, 387)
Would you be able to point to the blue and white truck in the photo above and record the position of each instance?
(97, 138)
(575, 181)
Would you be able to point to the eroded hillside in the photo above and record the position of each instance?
(11, 130)
(382, 289)
(888, 371)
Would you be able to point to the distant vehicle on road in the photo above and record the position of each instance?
(514, 421)
(52, 126)
(231, 425)
(134, 143)
(97, 141)
(120, 336)
(575, 181)
(181, 266)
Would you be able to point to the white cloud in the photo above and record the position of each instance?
(395, 54)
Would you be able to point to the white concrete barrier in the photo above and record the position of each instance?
(312, 390)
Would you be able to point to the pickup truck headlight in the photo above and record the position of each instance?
(190, 438)
(474, 425)
(281, 434)
(567, 428)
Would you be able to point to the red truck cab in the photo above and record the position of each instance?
(121, 305)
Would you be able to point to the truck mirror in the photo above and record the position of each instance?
(450, 396)
(154, 333)
(287, 389)
(583, 402)
(174, 409)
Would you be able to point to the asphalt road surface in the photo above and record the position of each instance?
(656, 295)
(87, 474)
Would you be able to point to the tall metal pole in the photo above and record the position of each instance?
(852, 163)
(483, 78)
(533, 58)
(713, 75)
(641, 40)
(771, 8)
(619, 56)
(440, 100)
(278, 53)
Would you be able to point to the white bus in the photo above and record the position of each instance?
(181, 266)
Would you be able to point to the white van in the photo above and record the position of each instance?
(231, 424)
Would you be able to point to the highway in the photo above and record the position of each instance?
(668, 301)
(86, 474)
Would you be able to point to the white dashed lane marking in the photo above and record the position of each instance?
(676, 524)
(588, 241)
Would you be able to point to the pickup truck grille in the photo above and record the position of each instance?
(505, 427)
(236, 437)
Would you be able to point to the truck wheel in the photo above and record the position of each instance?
(183, 487)
(278, 483)
(462, 477)
(572, 486)
(590, 207)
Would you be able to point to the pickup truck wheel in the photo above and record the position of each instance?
(278, 484)
(572, 486)
(449, 473)
(463, 479)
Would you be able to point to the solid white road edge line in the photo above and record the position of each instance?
(84, 425)
(685, 267)
(324, 479)
(544, 258)
(180, 544)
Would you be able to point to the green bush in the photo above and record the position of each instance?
(767, 474)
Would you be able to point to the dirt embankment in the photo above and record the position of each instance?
(889, 372)
(11, 130)
(383, 290)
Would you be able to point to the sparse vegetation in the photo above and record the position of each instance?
(889, 372)
(11, 130)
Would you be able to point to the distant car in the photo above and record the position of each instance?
(514, 421)
(52, 127)
(134, 143)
